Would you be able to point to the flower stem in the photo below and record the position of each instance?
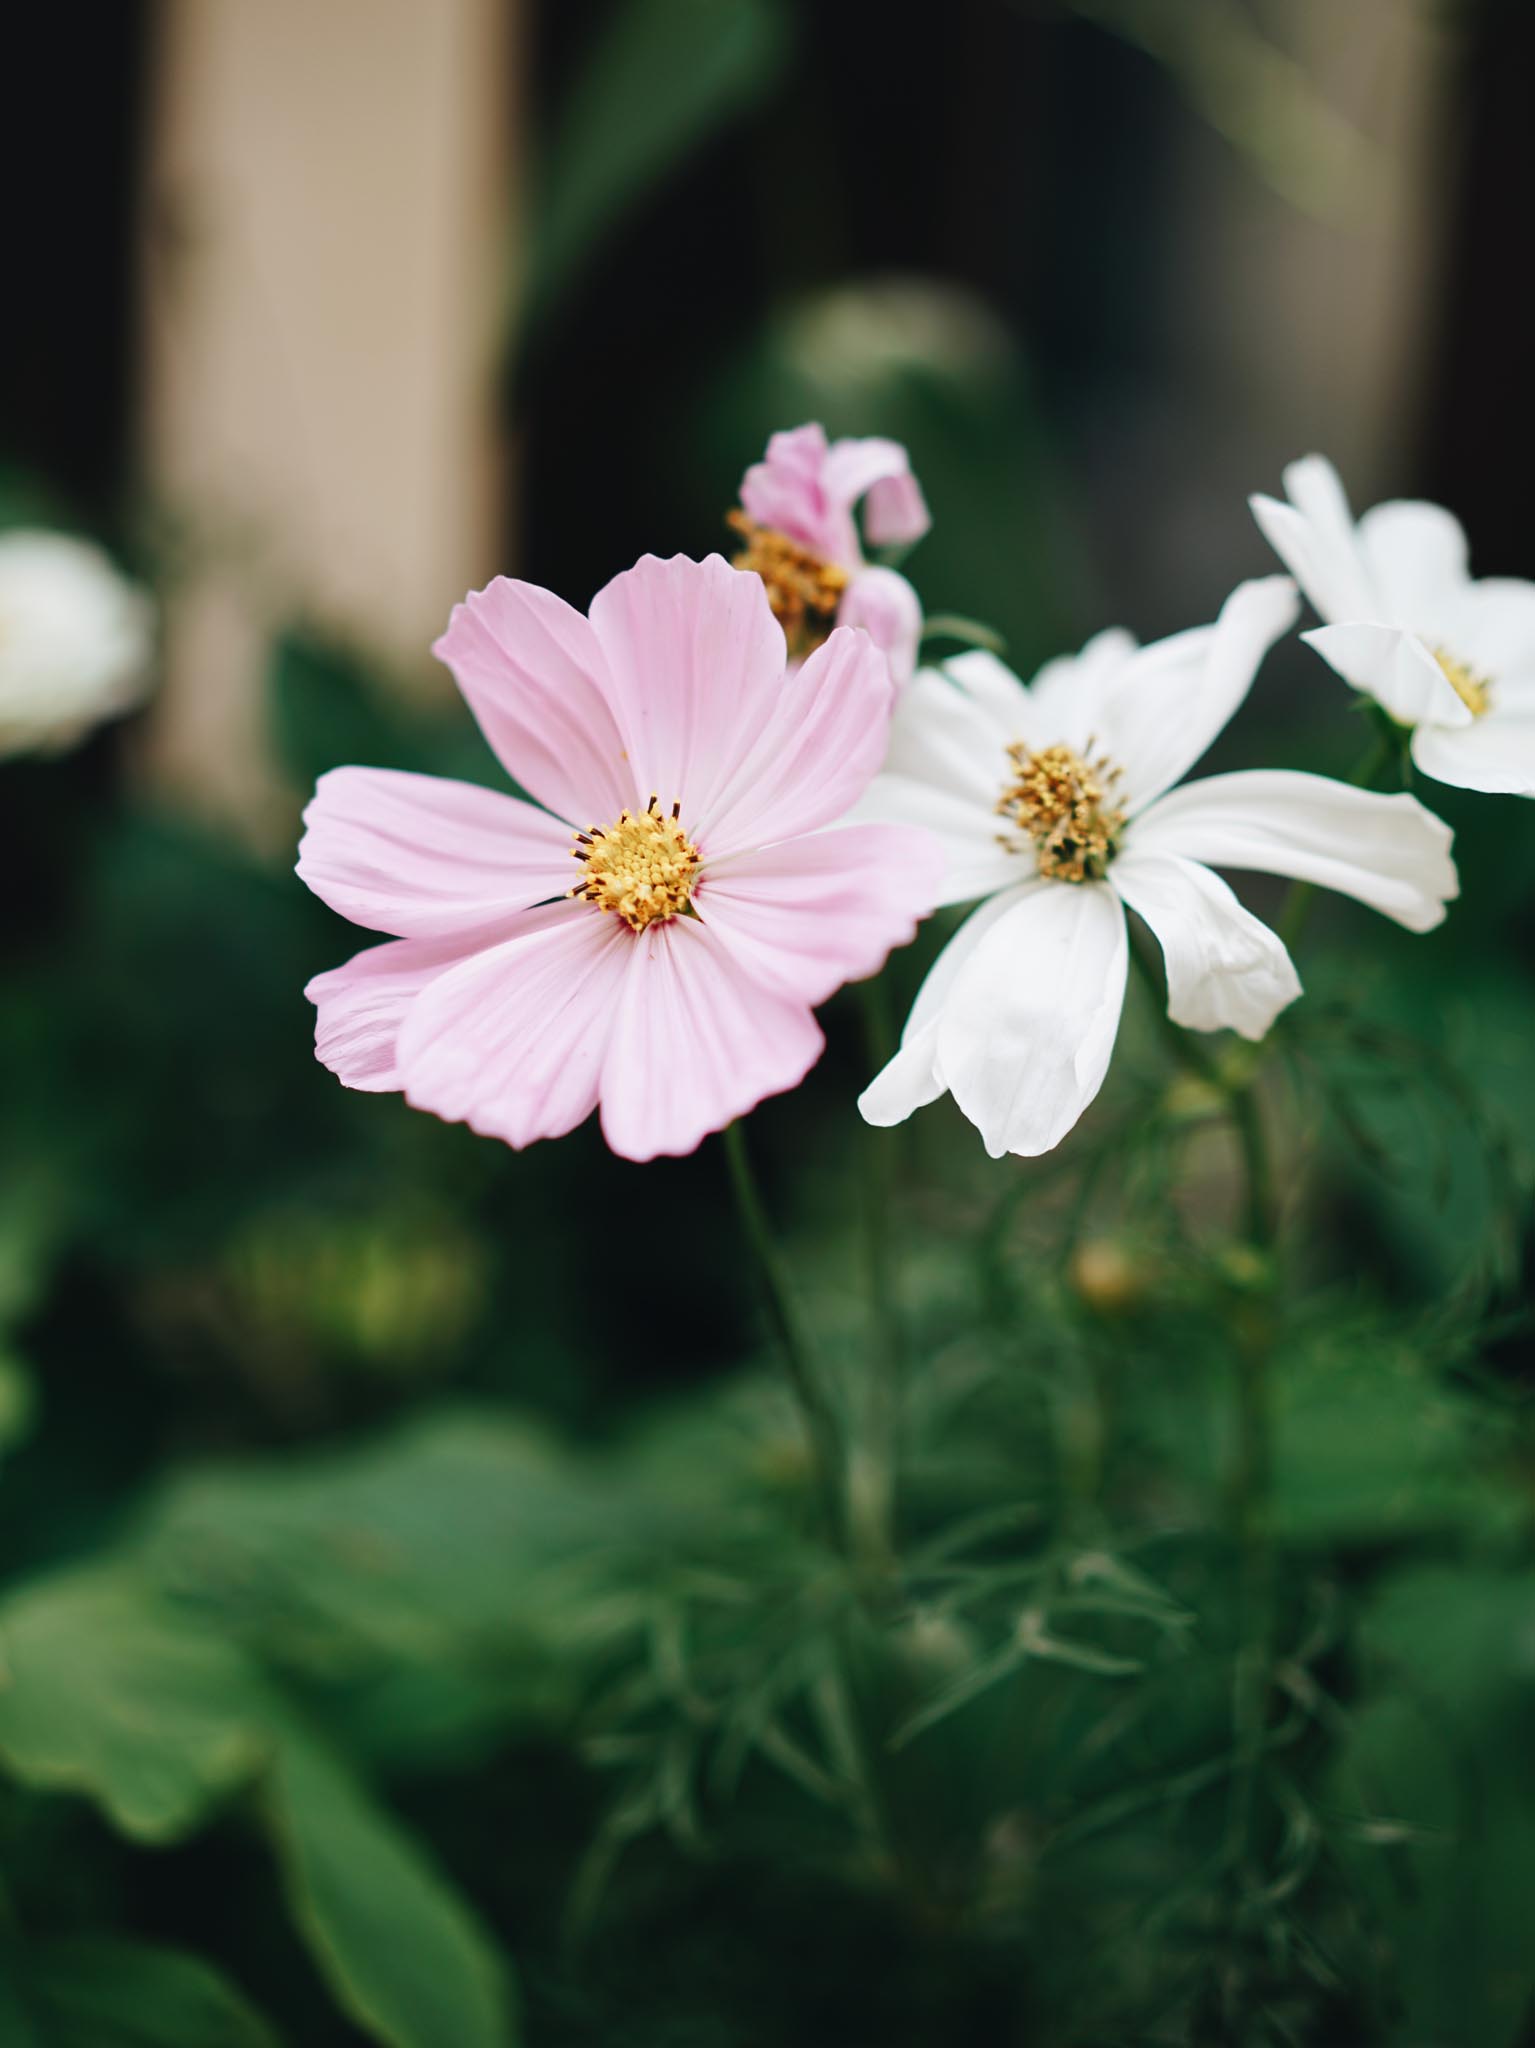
(1251, 1480)
(874, 1465)
(820, 1423)
(1262, 1201)
(1252, 1473)
(1183, 1046)
(1385, 747)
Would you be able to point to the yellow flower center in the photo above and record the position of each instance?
(1474, 691)
(803, 590)
(1064, 804)
(644, 867)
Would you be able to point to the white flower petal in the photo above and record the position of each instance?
(1225, 969)
(975, 862)
(1314, 537)
(1387, 851)
(910, 1080)
(945, 735)
(1492, 754)
(1395, 668)
(1026, 1032)
(1163, 708)
(1495, 633)
(1067, 695)
(945, 769)
(1416, 555)
(990, 687)
(75, 641)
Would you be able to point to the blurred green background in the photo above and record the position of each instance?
(408, 1626)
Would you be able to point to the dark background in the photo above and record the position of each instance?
(1009, 236)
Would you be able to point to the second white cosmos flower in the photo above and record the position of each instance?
(1448, 656)
(1055, 802)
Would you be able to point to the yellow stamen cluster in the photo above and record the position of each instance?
(1474, 691)
(643, 868)
(803, 590)
(1064, 803)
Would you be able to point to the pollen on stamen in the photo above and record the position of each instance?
(1065, 805)
(642, 868)
(803, 589)
(1474, 691)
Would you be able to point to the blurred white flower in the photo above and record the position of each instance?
(1450, 657)
(75, 640)
(1056, 803)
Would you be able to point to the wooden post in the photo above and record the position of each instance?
(326, 253)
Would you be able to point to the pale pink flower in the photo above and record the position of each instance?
(693, 780)
(797, 516)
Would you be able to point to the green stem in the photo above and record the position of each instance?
(1262, 1200)
(1252, 1472)
(821, 1433)
(1184, 1049)
(1251, 1481)
(873, 1478)
(1384, 748)
(1252, 1475)
(1252, 1489)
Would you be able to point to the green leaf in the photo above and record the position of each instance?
(1372, 1446)
(403, 1955)
(33, 1213)
(329, 707)
(658, 80)
(325, 712)
(968, 632)
(16, 1403)
(1260, 100)
(90, 1993)
(466, 1546)
(1437, 1785)
(17, 2025)
(107, 1691)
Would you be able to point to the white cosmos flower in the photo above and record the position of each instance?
(74, 641)
(1450, 657)
(1055, 803)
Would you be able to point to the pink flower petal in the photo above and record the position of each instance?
(808, 489)
(533, 674)
(512, 1042)
(422, 857)
(806, 916)
(362, 1005)
(786, 491)
(895, 512)
(695, 1044)
(695, 660)
(808, 750)
(890, 612)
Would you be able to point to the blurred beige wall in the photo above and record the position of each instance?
(1328, 284)
(1308, 194)
(325, 260)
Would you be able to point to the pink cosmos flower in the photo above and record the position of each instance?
(796, 515)
(693, 781)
